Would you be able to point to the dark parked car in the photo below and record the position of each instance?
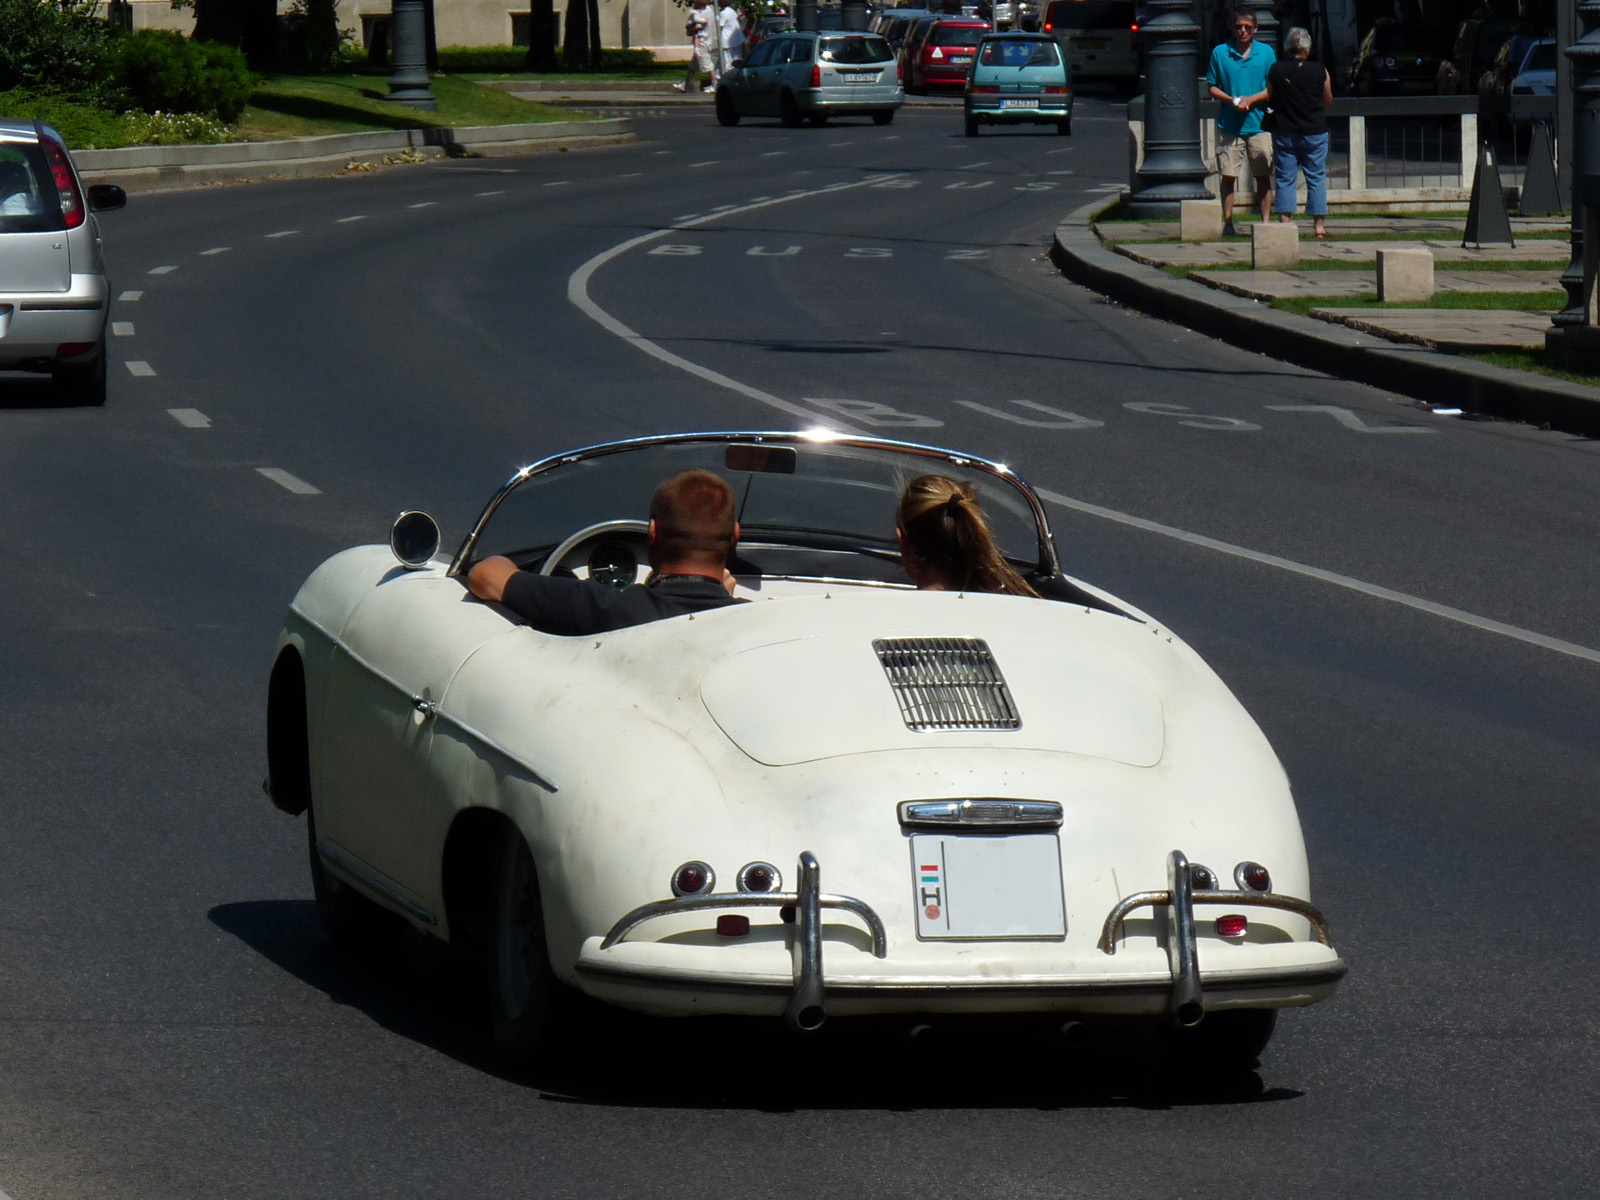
(1511, 60)
(1397, 60)
(1477, 41)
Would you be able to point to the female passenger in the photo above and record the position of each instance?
(1300, 92)
(945, 541)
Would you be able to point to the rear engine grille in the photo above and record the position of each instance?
(947, 683)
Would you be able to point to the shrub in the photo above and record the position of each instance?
(47, 46)
(160, 71)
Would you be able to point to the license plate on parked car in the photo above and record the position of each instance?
(961, 60)
(973, 887)
(1019, 104)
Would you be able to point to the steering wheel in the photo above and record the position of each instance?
(630, 534)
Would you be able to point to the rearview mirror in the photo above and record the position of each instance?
(105, 196)
(770, 460)
(414, 539)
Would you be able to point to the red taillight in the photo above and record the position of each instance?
(984, 88)
(1234, 925)
(72, 209)
(899, 72)
(73, 349)
(1050, 90)
(816, 76)
(1048, 27)
(734, 925)
(1134, 27)
(692, 879)
(1252, 875)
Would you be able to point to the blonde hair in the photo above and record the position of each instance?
(946, 532)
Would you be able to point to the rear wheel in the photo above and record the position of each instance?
(523, 990)
(726, 113)
(818, 119)
(883, 118)
(789, 111)
(1064, 128)
(972, 126)
(349, 917)
(82, 383)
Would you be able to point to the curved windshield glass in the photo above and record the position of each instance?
(834, 496)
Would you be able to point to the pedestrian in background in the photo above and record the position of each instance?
(1299, 92)
(701, 28)
(732, 31)
(1237, 76)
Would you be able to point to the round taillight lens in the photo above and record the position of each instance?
(1202, 879)
(759, 877)
(1234, 925)
(693, 879)
(1252, 877)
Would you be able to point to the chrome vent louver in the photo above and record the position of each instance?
(947, 683)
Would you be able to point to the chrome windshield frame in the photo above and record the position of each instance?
(1048, 560)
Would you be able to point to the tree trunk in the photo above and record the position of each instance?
(575, 45)
(322, 33)
(541, 36)
(594, 34)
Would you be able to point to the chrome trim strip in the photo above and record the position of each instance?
(981, 813)
(1303, 908)
(662, 908)
(1047, 549)
(805, 1011)
(371, 882)
(1187, 1005)
(429, 709)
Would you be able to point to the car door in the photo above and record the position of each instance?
(34, 255)
(747, 87)
(393, 663)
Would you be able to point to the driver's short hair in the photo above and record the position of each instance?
(694, 516)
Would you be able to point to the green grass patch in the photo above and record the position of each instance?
(84, 126)
(1540, 362)
(1520, 301)
(304, 105)
(1335, 265)
(512, 61)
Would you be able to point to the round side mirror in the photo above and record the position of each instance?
(414, 539)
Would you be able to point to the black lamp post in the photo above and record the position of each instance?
(1172, 170)
(408, 74)
(805, 14)
(1584, 54)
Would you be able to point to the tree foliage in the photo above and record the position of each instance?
(53, 47)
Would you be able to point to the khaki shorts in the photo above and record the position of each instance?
(1234, 149)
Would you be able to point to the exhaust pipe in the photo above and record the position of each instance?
(1187, 1006)
(806, 1011)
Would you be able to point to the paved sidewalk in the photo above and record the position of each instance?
(1404, 349)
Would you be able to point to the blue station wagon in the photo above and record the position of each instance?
(1018, 77)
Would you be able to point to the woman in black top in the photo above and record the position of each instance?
(1299, 92)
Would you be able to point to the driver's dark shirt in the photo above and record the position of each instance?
(556, 604)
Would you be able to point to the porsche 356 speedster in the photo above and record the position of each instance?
(844, 797)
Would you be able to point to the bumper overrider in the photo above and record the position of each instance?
(1182, 991)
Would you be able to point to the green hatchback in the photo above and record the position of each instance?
(1018, 77)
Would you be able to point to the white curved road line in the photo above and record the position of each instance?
(578, 293)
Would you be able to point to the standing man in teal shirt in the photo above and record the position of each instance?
(1237, 75)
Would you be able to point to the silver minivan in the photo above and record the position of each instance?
(53, 292)
(811, 77)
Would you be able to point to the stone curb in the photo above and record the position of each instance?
(1335, 349)
(162, 168)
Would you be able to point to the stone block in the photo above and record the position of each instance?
(1274, 246)
(1199, 220)
(1405, 275)
(1577, 346)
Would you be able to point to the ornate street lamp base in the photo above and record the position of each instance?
(1162, 200)
(415, 97)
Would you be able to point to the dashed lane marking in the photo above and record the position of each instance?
(710, 162)
(1460, 616)
(139, 368)
(558, 183)
(214, 251)
(289, 482)
(129, 297)
(162, 270)
(357, 217)
(974, 166)
(628, 175)
(122, 329)
(282, 233)
(759, 199)
(1067, 171)
(774, 153)
(497, 192)
(423, 204)
(190, 418)
(839, 145)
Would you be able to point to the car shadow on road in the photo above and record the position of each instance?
(28, 391)
(421, 990)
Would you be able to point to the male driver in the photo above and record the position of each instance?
(692, 535)
(1237, 75)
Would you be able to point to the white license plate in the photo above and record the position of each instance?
(1019, 104)
(1005, 886)
(961, 60)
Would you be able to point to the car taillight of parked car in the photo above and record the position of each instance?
(816, 76)
(72, 207)
(984, 89)
(1055, 90)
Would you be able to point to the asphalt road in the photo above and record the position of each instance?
(1403, 600)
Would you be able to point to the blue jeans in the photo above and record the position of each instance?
(1294, 152)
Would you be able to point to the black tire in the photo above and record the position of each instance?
(972, 126)
(883, 118)
(1064, 128)
(726, 113)
(82, 383)
(818, 120)
(789, 111)
(524, 995)
(349, 917)
(1227, 1041)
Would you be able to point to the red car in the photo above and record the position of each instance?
(941, 58)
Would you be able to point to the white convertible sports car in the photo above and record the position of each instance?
(844, 797)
